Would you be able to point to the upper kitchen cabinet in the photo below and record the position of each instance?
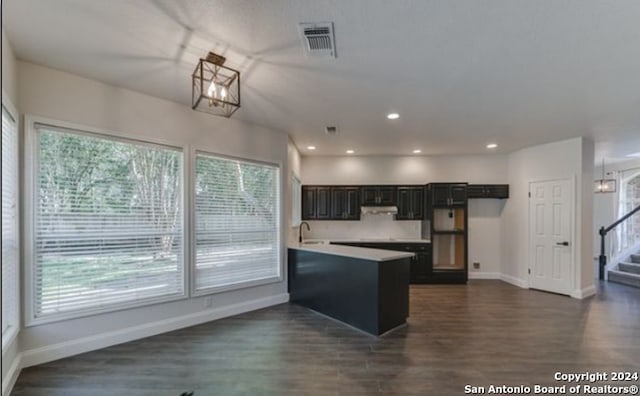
(410, 203)
(448, 194)
(378, 195)
(345, 203)
(316, 203)
(499, 191)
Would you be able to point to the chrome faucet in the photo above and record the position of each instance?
(300, 230)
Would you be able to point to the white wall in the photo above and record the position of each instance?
(369, 226)
(404, 169)
(484, 215)
(9, 71)
(53, 94)
(295, 161)
(11, 351)
(584, 222)
(573, 159)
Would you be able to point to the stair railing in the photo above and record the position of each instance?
(603, 232)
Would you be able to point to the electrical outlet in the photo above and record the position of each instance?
(208, 302)
(476, 265)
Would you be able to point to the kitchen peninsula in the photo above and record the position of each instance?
(362, 287)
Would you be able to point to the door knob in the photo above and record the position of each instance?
(565, 243)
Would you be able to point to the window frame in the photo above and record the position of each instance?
(15, 326)
(192, 215)
(31, 166)
(296, 200)
(623, 182)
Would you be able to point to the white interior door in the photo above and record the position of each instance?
(550, 237)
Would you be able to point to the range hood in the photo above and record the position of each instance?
(379, 210)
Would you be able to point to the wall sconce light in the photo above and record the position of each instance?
(604, 185)
(216, 88)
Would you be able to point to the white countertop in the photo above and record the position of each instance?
(381, 240)
(352, 251)
(367, 240)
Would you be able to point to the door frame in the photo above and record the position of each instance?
(572, 230)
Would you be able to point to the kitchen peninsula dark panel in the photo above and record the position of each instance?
(370, 295)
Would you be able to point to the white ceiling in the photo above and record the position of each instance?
(461, 73)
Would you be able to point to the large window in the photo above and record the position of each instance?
(10, 255)
(629, 230)
(236, 222)
(108, 223)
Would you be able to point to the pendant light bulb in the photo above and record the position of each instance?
(223, 93)
(211, 92)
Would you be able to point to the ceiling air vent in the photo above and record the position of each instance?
(318, 39)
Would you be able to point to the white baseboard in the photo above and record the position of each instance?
(585, 292)
(514, 281)
(12, 375)
(484, 275)
(61, 350)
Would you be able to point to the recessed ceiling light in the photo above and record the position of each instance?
(417, 151)
(350, 151)
(393, 116)
(492, 145)
(635, 155)
(311, 147)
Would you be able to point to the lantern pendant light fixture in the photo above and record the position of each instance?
(215, 88)
(604, 185)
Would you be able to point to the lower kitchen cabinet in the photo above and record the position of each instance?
(420, 267)
(420, 263)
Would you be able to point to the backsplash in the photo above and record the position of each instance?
(369, 226)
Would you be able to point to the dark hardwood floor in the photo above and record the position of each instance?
(486, 332)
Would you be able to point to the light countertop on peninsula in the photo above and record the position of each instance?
(352, 251)
(365, 240)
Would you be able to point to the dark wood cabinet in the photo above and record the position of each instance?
(378, 195)
(499, 191)
(410, 203)
(323, 203)
(420, 266)
(449, 233)
(372, 296)
(316, 203)
(345, 203)
(309, 195)
(448, 194)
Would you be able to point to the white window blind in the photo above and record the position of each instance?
(10, 255)
(236, 222)
(108, 223)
